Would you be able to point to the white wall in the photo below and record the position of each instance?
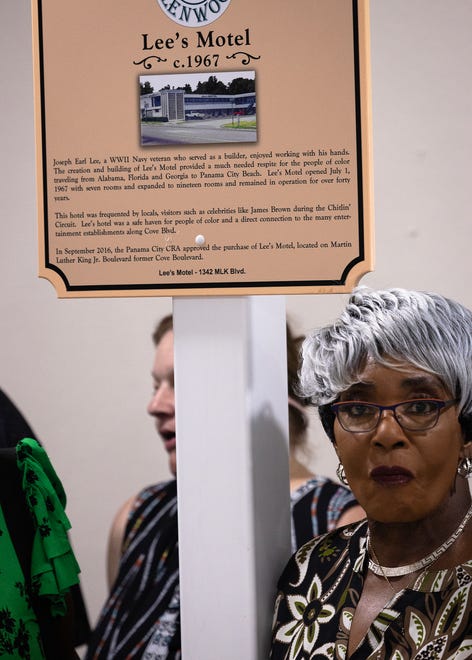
(79, 369)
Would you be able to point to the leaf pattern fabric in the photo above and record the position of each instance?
(53, 565)
(19, 630)
(54, 568)
(321, 587)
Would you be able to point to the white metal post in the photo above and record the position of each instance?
(232, 467)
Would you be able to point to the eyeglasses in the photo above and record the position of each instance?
(414, 415)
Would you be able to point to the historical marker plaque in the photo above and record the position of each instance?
(203, 148)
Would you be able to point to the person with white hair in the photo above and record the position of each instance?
(141, 617)
(392, 379)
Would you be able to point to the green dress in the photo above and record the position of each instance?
(54, 568)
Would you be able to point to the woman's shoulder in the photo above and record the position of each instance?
(324, 552)
(160, 490)
(133, 508)
(320, 505)
(146, 504)
(441, 579)
(135, 502)
(318, 484)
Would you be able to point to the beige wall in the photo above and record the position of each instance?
(79, 369)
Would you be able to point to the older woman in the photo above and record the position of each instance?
(393, 382)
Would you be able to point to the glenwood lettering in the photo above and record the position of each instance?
(187, 13)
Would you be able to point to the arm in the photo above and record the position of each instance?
(115, 540)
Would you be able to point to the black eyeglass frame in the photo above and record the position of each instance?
(440, 404)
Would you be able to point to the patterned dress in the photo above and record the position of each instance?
(38, 567)
(141, 618)
(316, 508)
(13, 428)
(321, 587)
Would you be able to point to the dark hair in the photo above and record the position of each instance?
(298, 420)
(164, 325)
(327, 418)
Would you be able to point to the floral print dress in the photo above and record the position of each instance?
(321, 587)
(53, 569)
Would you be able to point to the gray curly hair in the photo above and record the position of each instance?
(427, 330)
